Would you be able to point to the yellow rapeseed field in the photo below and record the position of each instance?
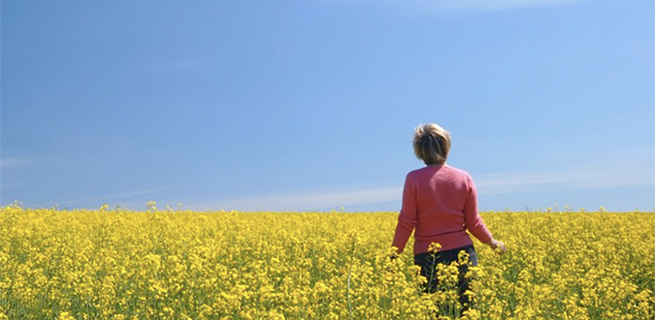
(119, 264)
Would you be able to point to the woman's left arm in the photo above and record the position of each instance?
(408, 216)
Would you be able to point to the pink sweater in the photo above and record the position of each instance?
(439, 203)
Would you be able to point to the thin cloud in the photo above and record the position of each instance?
(102, 199)
(518, 182)
(13, 162)
(466, 6)
(306, 201)
(497, 5)
(631, 169)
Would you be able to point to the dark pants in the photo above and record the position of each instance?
(429, 261)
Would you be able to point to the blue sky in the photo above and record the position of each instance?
(311, 105)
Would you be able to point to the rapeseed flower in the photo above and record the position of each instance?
(119, 264)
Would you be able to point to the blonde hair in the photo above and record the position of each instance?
(431, 143)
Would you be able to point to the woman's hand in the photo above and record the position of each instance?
(498, 246)
(393, 253)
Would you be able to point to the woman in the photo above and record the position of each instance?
(440, 204)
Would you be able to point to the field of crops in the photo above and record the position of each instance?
(116, 264)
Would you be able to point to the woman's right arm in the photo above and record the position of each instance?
(498, 246)
(474, 222)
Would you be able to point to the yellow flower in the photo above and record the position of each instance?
(267, 265)
(434, 247)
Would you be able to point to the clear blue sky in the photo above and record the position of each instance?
(311, 104)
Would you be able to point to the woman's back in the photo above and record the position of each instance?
(440, 190)
(440, 202)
